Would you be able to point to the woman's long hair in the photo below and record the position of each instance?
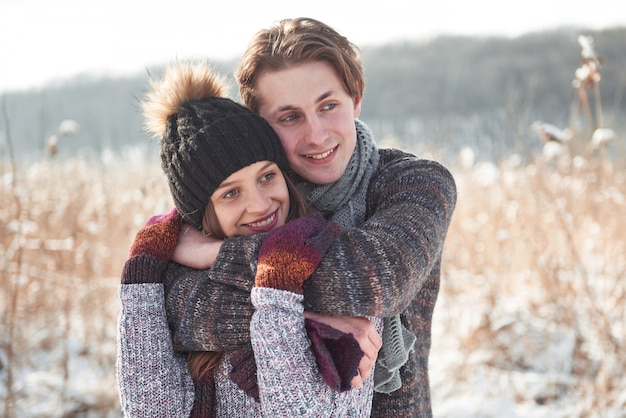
(201, 363)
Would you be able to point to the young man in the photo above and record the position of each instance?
(306, 80)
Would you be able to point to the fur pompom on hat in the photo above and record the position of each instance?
(205, 137)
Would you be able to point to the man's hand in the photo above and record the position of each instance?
(196, 250)
(365, 334)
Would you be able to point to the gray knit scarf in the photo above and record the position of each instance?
(345, 201)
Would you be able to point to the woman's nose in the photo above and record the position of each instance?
(258, 202)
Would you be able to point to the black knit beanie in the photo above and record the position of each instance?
(207, 141)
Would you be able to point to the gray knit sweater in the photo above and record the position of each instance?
(388, 264)
(154, 380)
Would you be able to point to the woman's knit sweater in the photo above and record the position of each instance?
(388, 265)
(154, 380)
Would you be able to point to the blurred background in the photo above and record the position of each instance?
(524, 103)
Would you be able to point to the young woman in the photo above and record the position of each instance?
(224, 165)
(306, 80)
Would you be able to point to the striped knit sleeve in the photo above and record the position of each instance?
(210, 310)
(377, 268)
(153, 380)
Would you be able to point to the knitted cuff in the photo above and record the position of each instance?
(143, 268)
(158, 236)
(243, 372)
(337, 354)
(274, 278)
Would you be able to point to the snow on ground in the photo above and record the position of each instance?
(529, 323)
(467, 382)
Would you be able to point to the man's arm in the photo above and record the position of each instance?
(210, 310)
(375, 269)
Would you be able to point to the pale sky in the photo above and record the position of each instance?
(44, 40)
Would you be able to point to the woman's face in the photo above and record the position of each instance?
(251, 200)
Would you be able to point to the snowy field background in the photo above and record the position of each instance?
(530, 320)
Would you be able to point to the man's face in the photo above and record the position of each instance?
(309, 108)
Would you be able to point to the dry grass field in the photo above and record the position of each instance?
(530, 321)
(66, 230)
(532, 316)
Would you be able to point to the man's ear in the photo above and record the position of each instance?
(357, 106)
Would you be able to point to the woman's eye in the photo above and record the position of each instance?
(268, 177)
(230, 194)
(330, 106)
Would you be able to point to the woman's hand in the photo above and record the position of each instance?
(196, 250)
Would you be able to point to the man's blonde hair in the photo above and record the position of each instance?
(297, 41)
